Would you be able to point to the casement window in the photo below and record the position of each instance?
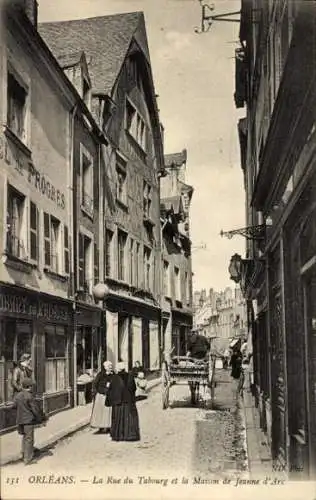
(166, 278)
(16, 224)
(146, 199)
(108, 252)
(147, 268)
(135, 125)
(16, 107)
(52, 243)
(56, 358)
(66, 251)
(84, 263)
(121, 180)
(96, 264)
(86, 169)
(177, 283)
(121, 242)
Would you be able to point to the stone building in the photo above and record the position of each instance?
(275, 80)
(176, 196)
(123, 102)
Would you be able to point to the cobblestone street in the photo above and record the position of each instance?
(186, 441)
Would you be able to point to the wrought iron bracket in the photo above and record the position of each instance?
(256, 233)
(208, 19)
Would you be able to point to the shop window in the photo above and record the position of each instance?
(15, 340)
(84, 261)
(121, 180)
(86, 170)
(16, 234)
(122, 338)
(33, 232)
(146, 200)
(16, 107)
(52, 243)
(108, 252)
(121, 240)
(88, 348)
(56, 362)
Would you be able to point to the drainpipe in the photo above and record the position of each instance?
(73, 240)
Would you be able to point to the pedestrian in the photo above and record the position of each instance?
(21, 371)
(198, 346)
(28, 414)
(101, 411)
(236, 369)
(121, 396)
(225, 359)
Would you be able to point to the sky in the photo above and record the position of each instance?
(194, 79)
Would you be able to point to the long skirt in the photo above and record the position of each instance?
(101, 414)
(125, 423)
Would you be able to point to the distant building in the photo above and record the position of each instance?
(176, 302)
(221, 316)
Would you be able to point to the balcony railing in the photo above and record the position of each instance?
(87, 203)
(15, 246)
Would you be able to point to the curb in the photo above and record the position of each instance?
(63, 434)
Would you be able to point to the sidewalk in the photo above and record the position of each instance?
(259, 457)
(59, 426)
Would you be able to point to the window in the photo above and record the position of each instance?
(166, 278)
(52, 243)
(96, 273)
(177, 283)
(108, 252)
(121, 239)
(146, 199)
(86, 181)
(135, 125)
(66, 251)
(16, 106)
(84, 261)
(15, 339)
(131, 261)
(56, 362)
(121, 184)
(187, 289)
(33, 232)
(147, 268)
(15, 244)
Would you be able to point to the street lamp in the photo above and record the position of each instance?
(208, 19)
(100, 291)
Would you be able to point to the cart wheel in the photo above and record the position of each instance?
(165, 397)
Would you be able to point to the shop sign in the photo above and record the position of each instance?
(21, 304)
(39, 181)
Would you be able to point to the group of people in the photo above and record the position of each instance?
(114, 409)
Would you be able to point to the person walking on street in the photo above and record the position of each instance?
(20, 372)
(28, 414)
(121, 396)
(236, 369)
(101, 413)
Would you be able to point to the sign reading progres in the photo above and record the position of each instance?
(21, 304)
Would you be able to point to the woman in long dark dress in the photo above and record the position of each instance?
(121, 397)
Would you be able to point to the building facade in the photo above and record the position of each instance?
(275, 75)
(35, 216)
(124, 104)
(176, 196)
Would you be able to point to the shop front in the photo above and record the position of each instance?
(89, 349)
(40, 325)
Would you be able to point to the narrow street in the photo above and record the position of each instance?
(196, 442)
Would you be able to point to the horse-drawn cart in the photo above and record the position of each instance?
(184, 370)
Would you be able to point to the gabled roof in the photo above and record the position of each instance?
(105, 41)
(176, 159)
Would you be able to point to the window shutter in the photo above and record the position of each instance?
(47, 245)
(81, 261)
